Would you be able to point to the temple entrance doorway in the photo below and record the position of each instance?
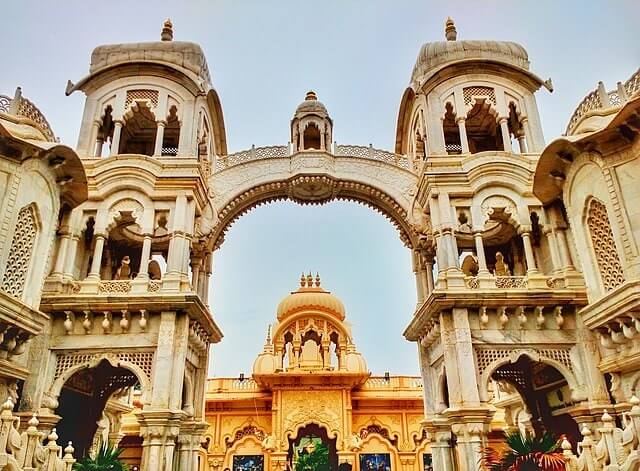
(545, 393)
(312, 450)
(91, 403)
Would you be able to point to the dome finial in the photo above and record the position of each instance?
(450, 31)
(317, 280)
(269, 335)
(167, 31)
(309, 280)
(311, 95)
(303, 280)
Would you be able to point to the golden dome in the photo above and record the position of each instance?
(310, 296)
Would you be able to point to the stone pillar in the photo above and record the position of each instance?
(61, 258)
(115, 140)
(97, 142)
(145, 257)
(522, 143)
(482, 259)
(160, 125)
(177, 244)
(528, 253)
(69, 265)
(553, 248)
(428, 261)
(441, 449)
(94, 273)
(506, 139)
(464, 140)
(301, 132)
(196, 274)
(322, 142)
(563, 249)
(418, 275)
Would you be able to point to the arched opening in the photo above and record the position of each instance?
(545, 393)
(83, 400)
(483, 131)
(138, 135)
(105, 133)
(312, 450)
(451, 131)
(338, 239)
(171, 136)
(311, 137)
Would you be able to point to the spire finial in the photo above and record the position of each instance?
(303, 280)
(269, 335)
(309, 280)
(311, 95)
(317, 280)
(167, 31)
(450, 31)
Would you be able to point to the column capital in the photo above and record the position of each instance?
(119, 122)
(502, 119)
(161, 122)
(461, 119)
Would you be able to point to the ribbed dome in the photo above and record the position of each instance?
(311, 104)
(310, 296)
(435, 55)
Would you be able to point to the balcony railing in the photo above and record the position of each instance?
(511, 282)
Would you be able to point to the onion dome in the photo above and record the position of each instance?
(435, 56)
(311, 105)
(310, 296)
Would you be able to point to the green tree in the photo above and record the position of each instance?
(107, 459)
(526, 454)
(316, 460)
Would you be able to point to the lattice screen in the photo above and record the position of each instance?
(604, 245)
(470, 93)
(143, 360)
(22, 246)
(135, 95)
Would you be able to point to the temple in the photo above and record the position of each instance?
(526, 256)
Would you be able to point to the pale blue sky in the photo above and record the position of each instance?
(357, 55)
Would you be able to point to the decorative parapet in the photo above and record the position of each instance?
(513, 282)
(393, 382)
(270, 152)
(255, 153)
(25, 451)
(22, 107)
(600, 99)
(618, 448)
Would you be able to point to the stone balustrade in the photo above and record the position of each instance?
(270, 152)
(393, 382)
(512, 282)
(601, 99)
(112, 287)
(25, 451)
(617, 449)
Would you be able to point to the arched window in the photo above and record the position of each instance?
(483, 132)
(105, 133)
(312, 137)
(22, 247)
(451, 131)
(604, 245)
(139, 132)
(171, 137)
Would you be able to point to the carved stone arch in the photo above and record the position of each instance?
(338, 190)
(247, 429)
(375, 427)
(505, 357)
(94, 360)
(139, 106)
(499, 203)
(125, 205)
(332, 432)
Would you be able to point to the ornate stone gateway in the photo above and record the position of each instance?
(527, 265)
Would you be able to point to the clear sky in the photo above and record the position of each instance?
(357, 55)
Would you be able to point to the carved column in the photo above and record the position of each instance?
(504, 129)
(115, 140)
(418, 275)
(145, 257)
(65, 238)
(482, 259)
(428, 261)
(441, 449)
(464, 140)
(96, 262)
(157, 152)
(528, 253)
